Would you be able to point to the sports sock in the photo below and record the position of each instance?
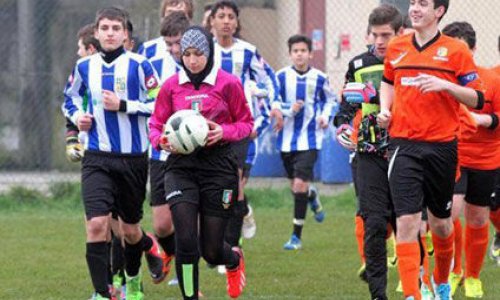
(168, 244)
(425, 261)
(133, 254)
(359, 231)
(97, 260)
(495, 219)
(408, 267)
(311, 193)
(457, 257)
(117, 258)
(147, 242)
(476, 245)
(299, 213)
(443, 256)
(187, 274)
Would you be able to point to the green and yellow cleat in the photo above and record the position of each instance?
(473, 288)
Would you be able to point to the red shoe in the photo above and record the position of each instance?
(157, 261)
(236, 280)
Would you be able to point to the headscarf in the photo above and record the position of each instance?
(197, 37)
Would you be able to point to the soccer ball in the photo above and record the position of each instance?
(186, 130)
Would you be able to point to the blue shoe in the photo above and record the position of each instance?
(293, 244)
(442, 291)
(315, 204)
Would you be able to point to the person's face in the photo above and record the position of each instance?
(111, 34)
(423, 14)
(82, 51)
(224, 22)
(174, 46)
(300, 54)
(194, 60)
(175, 6)
(381, 35)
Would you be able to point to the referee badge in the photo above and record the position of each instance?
(196, 105)
(227, 197)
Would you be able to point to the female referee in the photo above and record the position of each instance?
(203, 184)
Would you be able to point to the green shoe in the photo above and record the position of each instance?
(117, 281)
(362, 273)
(455, 281)
(473, 288)
(399, 288)
(134, 287)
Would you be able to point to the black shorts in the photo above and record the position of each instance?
(207, 178)
(300, 164)
(476, 185)
(114, 181)
(373, 186)
(495, 197)
(422, 174)
(157, 181)
(240, 148)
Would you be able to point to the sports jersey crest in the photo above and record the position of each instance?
(227, 197)
(120, 85)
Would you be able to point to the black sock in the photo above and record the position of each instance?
(168, 244)
(147, 242)
(311, 193)
(231, 257)
(117, 255)
(110, 273)
(299, 213)
(133, 254)
(97, 260)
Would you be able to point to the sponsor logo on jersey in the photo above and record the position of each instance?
(227, 196)
(441, 54)
(398, 59)
(409, 81)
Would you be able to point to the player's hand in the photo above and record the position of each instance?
(344, 133)
(74, 150)
(110, 101)
(278, 116)
(427, 83)
(253, 134)
(256, 91)
(323, 122)
(355, 92)
(297, 106)
(384, 118)
(84, 122)
(165, 145)
(215, 133)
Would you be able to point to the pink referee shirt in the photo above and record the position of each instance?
(220, 99)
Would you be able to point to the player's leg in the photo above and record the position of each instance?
(406, 185)
(249, 225)
(162, 217)
(376, 209)
(456, 275)
(481, 185)
(494, 252)
(97, 192)
(439, 182)
(425, 287)
(359, 229)
(117, 256)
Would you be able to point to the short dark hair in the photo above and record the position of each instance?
(461, 30)
(174, 24)
(112, 13)
(86, 34)
(208, 7)
(188, 3)
(445, 3)
(298, 38)
(225, 3)
(130, 27)
(386, 14)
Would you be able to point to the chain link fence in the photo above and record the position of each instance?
(39, 50)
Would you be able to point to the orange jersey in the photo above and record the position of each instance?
(433, 116)
(481, 150)
(496, 70)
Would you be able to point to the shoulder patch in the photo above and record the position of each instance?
(358, 63)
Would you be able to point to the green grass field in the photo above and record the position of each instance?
(42, 252)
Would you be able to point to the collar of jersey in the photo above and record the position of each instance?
(426, 45)
(210, 79)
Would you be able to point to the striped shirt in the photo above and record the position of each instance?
(153, 47)
(132, 78)
(301, 130)
(165, 66)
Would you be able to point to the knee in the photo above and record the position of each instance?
(376, 226)
(442, 227)
(131, 233)
(186, 246)
(408, 227)
(477, 220)
(212, 255)
(163, 227)
(299, 186)
(97, 229)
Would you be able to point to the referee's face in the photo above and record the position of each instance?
(111, 34)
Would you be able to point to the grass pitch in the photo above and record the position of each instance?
(42, 252)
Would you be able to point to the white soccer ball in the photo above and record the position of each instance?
(186, 130)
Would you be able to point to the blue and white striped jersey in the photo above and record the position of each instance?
(165, 66)
(153, 47)
(132, 78)
(301, 130)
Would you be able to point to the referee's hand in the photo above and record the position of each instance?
(165, 145)
(215, 133)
